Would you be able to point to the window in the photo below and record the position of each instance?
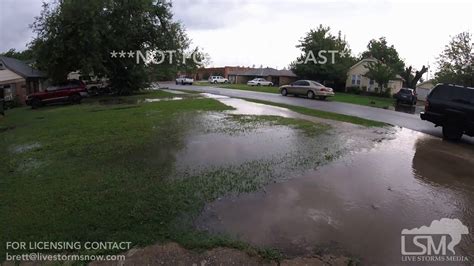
(301, 83)
(452, 93)
(355, 79)
(371, 81)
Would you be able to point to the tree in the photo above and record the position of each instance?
(455, 63)
(381, 73)
(388, 55)
(412, 79)
(25, 55)
(311, 65)
(71, 35)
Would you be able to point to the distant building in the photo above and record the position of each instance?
(277, 77)
(205, 73)
(424, 88)
(18, 79)
(236, 74)
(356, 78)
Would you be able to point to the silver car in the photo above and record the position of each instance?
(309, 88)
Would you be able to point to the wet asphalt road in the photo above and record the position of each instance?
(410, 121)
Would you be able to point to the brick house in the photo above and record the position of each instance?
(277, 77)
(18, 79)
(205, 73)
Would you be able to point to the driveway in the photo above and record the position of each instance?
(402, 119)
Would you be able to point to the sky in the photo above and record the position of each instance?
(266, 32)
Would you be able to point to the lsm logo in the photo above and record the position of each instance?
(434, 243)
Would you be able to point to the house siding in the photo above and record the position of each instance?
(359, 70)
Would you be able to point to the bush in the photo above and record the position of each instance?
(15, 102)
(354, 90)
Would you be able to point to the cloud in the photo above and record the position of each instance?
(15, 18)
(208, 14)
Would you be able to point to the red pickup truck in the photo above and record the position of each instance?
(71, 91)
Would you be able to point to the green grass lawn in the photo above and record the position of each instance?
(325, 115)
(83, 173)
(374, 101)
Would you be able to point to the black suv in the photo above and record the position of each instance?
(407, 96)
(452, 107)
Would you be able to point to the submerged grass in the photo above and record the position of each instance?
(309, 128)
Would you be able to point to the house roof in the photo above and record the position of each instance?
(364, 61)
(21, 68)
(262, 72)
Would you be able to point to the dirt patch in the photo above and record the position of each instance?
(174, 254)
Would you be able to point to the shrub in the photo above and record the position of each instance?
(354, 90)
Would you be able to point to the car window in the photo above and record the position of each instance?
(453, 94)
(52, 88)
(405, 91)
(460, 95)
(440, 92)
(317, 84)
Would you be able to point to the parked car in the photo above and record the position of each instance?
(95, 85)
(218, 79)
(71, 91)
(406, 95)
(451, 107)
(259, 82)
(183, 80)
(309, 88)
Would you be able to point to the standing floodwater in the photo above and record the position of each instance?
(358, 205)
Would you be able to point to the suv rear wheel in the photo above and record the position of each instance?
(452, 132)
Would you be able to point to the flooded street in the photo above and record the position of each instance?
(358, 205)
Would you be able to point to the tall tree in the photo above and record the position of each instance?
(386, 54)
(311, 65)
(456, 62)
(381, 73)
(72, 35)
